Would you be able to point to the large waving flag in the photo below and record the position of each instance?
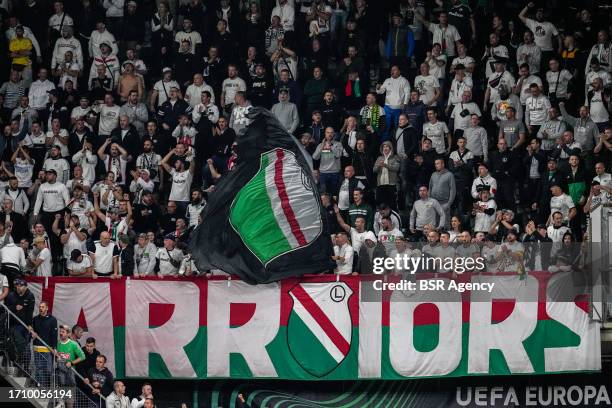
(265, 221)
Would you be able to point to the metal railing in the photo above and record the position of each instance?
(41, 369)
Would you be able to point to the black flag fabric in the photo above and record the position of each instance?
(264, 221)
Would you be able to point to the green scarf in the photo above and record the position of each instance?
(373, 114)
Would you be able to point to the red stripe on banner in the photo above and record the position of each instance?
(426, 313)
(353, 302)
(48, 293)
(321, 318)
(465, 312)
(282, 194)
(542, 286)
(118, 294)
(386, 313)
(203, 285)
(286, 301)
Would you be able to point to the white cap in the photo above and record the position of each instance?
(369, 235)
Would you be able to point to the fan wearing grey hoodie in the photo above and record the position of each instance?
(442, 188)
(286, 112)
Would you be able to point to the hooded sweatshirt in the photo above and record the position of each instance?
(388, 174)
(287, 115)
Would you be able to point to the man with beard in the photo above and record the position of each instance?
(181, 180)
(59, 164)
(195, 207)
(116, 161)
(510, 255)
(44, 332)
(388, 234)
(149, 160)
(260, 88)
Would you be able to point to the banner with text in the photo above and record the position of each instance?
(319, 328)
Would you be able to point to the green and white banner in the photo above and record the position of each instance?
(318, 328)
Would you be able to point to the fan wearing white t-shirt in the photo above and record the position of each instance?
(443, 33)
(543, 31)
(357, 234)
(105, 256)
(42, 263)
(161, 89)
(436, 131)
(343, 255)
(181, 179)
(427, 85)
(79, 264)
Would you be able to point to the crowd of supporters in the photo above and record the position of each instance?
(453, 123)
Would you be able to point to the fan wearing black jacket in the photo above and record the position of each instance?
(260, 87)
(147, 214)
(100, 378)
(77, 138)
(361, 159)
(552, 176)
(44, 333)
(331, 113)
(538, 247)
(405, 140)
(534, 165)
(21, 303)
(127, 137)
(503, 166)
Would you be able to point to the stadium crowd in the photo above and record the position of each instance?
(470, 127)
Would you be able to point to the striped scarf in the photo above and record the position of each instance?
(371, 116)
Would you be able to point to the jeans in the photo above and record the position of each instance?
(44, 368)
(328, 183)
(65, 376)
(391, 116)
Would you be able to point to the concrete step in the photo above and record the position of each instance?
(42, 402)
(21, 381)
